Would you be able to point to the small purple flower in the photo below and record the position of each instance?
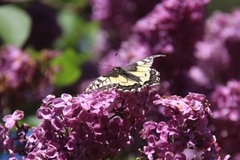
(13, 142)
(10, 120)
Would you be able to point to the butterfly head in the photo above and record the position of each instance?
(116, 69)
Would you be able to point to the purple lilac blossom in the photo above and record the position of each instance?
(163, 25)
(185, 135)
(101, 124)
(165, 29)
(218, 53)
(225, 124)
(116, 19)
(16, 68)
(94, 126)
(8, 142)
(24, 78)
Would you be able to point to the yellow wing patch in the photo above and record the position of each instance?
(132, 78)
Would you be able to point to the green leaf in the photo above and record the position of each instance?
(70, 68)
(77, 33)
(68, 21)
(14, 25)
(77, 3)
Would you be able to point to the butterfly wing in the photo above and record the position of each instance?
(142, 69)
(110, 80)
(131, 78)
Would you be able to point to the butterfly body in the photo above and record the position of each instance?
(131, 78)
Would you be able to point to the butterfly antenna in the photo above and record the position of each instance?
(105, 65)
(115, 63)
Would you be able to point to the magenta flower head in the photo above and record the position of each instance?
(101, 124)
(185, 135)
(88, 126)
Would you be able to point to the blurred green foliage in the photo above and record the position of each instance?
(15, 25)
(77, 33)
(69, 63)
(222, 5)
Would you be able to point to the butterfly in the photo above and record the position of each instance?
(131, 78)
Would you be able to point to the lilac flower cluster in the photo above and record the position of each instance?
(185, 135)
(11, 143)
(161, 27)
(218, 53)
(225, 102)
(17, 71)
(116, 19)
(162, 30)
(165, 33)
(13, 62)
(95, 126)
(217, 64)
(101, 124)
(202, 55)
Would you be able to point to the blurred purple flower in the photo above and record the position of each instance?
(117, 18)
(163, 29)
(226, 101)
(218, 53)
(166, 27)
(16, 68)
(225, 124)
(24, 78)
